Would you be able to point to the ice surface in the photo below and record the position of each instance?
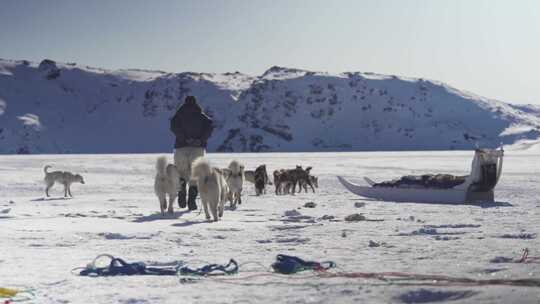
(115, 212)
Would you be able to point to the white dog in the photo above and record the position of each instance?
(167, 181)
(62, 177)
(234, 175)
(212, 187)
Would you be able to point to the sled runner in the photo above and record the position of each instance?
(440, 188)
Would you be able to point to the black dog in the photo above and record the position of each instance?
(261, 179)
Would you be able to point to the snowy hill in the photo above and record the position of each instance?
(55, 107)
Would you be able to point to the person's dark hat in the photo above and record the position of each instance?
(190, 100)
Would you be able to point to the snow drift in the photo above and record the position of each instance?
(55, 107)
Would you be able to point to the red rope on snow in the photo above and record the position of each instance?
(525, 258)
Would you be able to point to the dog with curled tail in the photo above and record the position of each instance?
(166, 182)
(234, 175)
(212, 188)
(62, 177)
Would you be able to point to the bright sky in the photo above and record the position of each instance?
(489, 47)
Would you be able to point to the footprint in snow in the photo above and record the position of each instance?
(445, 238)
(263, 241)
(290, 241)
(295, 216)
(119, 236)
(73, 215)
(428, 231)
(521, 236)
(287, 227)
(489, 270)
(429, 295)
(293, 241)
(225, 229)
(133, 301)
(454, 226)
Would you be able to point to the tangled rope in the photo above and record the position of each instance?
(118, 266)
(285, 266)
(210, 269)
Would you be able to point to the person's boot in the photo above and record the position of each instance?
(182, 194)
(192, 195)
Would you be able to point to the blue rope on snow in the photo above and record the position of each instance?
(286, 264)
(211, 269)
(118, 266)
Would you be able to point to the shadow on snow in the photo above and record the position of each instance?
(46, 199)
(479, 204)
(158, 217)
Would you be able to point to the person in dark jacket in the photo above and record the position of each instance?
(192, 129)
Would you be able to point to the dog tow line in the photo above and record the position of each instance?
(290, 265)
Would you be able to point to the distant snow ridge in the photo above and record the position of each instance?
(54, 107)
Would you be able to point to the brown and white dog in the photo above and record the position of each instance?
(62, 177)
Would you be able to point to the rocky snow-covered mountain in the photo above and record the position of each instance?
(55, 107)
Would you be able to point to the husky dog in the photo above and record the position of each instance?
(314, 181)
(282, 181)
(288, 179)
(212, 187)
(277, 176)
(302, 177)
(261, 180)
(285, 180)
(62, 177)
(167, 181)
(234, 175)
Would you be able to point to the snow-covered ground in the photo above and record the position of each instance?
(116, 212)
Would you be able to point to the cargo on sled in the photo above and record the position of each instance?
(476, 187)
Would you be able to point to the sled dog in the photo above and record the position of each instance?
(288, 179)
(212, 187)
(277, 175)
(314, 181)
(261, 180)
(234, 175)
(62, 177)
(166, 182)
